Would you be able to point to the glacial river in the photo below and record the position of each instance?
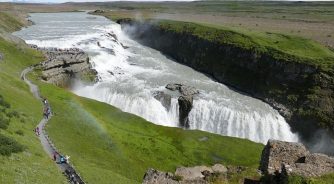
(131, 73)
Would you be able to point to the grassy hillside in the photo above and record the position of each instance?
(30, 165)
(280, 44)
(9, 23)
(106, 144)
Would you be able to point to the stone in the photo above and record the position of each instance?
(282, 159)
(219, 168)
(1, 57)
(277, 152)
(153, 176)
(173, 87)
(165, 99)
(185, 106)
(188, 90)
(192, 173)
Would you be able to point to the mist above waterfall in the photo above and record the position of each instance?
(130, 74)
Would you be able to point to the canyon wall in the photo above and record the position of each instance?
(301, 91)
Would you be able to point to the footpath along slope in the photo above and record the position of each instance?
(47, 144)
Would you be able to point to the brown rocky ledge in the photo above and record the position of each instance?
(63, 66)
(281, 159)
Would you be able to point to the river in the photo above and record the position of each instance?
(131, 73)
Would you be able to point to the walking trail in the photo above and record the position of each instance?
(48, 146)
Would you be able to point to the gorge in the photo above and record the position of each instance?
(130, 74)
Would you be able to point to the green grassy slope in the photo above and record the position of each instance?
(106, 144)
(281, 46)
(31, 165)
(9, 23)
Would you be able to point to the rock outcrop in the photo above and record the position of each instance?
(281, 159)
(187, 175)
(62, 66)
(185, 101)
(165, 99)
(153, 176)
(185, 106)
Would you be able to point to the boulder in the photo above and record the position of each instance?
(185, 106)
(153, 176)
(183, 89)
(187, 175)
(277, 152)
(188, 90)
(165, 99)
(173, 87)
(282, 159)
(1, 57)
(192, 173)
(219, 168)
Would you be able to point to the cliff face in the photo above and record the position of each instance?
(65, 65)
(302, 93)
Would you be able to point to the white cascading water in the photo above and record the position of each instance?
(131, 73)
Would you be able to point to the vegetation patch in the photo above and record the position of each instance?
(9, 146)
(9, 23)
(18, 105)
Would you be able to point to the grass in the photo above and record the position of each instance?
(281, 46)
(32, 165)
(9, 23)
(106, 144)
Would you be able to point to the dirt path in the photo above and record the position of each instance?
(48, 146)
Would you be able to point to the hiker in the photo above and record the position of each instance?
(62, 159)
(67, 159)
(37, 131)
(54, 156)
(45, 101)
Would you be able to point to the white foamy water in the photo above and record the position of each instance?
(130, 73)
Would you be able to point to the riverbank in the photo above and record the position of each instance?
(292, 74)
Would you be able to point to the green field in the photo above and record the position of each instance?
(32, 165)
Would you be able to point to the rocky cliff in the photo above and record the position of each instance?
(280, 160)
(63, 66)
(301, 91)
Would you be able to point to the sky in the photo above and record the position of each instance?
(61, 1)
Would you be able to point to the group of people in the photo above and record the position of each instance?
(36, 130)
(47, 109)
(60, 159)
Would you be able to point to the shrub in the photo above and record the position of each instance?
(19, 132)
(9, 146)
(4, 122)
(13, 114)
(4, 103)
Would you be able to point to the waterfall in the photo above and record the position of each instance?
(131, 73)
